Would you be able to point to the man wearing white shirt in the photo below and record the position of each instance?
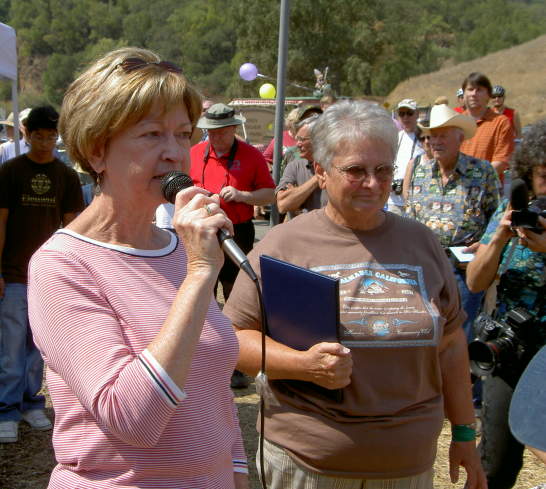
(7, 149)
(408, 148)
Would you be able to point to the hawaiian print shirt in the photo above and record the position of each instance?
(458, 212)
(523, 283)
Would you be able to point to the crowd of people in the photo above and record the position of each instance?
(117, 291)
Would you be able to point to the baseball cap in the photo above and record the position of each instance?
(306, 111)
(408, 103)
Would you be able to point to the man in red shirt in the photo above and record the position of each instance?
(497, 99)
(460, 100)
(237, 172)
(494, 138)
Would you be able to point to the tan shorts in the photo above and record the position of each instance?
(281, 472)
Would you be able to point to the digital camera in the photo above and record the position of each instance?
(528, 218)
(503, 348)
(397, 186)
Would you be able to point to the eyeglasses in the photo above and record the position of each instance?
(132, 64)
(402, 113)
(42, 139)
(357, 174)
(424, 138)
(301, 139)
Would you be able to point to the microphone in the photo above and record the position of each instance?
(525, 214)
(519, 195)
(174, 182)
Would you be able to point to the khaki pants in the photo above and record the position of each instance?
(281, 472)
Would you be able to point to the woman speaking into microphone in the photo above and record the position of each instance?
(139, 355)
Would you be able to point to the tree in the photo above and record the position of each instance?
(59, 74)
(368, 45)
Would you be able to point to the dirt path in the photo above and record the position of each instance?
(28, 463)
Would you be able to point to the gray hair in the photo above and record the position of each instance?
(349, 121)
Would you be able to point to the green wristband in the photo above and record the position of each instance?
(463, 432)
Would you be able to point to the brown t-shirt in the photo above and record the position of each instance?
(398, 298)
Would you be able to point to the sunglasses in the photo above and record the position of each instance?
(424, 138)
(132, 64)
(403, 113)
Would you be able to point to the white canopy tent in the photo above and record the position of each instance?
(8, 70)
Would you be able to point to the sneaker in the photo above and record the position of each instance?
(9, 431)
(239, 380)
(37, 419)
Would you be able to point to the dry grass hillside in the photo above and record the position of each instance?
(521, 70)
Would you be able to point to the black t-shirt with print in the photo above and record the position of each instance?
(37, 195)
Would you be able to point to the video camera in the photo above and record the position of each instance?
(526, 214)
(503, 348)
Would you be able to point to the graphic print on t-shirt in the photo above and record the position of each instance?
(383, 305)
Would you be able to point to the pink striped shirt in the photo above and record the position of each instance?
(120, 421)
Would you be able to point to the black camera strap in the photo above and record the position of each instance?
(230, 160)
(503, 266)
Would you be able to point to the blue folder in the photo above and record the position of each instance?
(302, 309)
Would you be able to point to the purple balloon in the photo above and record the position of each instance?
(248, 71)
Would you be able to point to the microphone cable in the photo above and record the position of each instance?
(172, 183)
(262, 373)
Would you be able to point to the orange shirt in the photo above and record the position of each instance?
(494, 138)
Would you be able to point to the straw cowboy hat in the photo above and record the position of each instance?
(219, 115)
(22, 117)
(443, 116)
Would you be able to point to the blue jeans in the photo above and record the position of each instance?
(21, 366)
(501, 453)
(471, 302)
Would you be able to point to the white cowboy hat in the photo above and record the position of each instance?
(443, 116)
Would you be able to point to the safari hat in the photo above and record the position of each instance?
(527, 417)
(409, 103)
(444, 116)
(219, 115)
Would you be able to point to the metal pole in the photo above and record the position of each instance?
(15, 111)
(279, 111)
(15, 101)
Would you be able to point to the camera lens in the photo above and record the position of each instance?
(483, 357)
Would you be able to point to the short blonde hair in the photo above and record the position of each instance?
(106, 99)
(291, 120)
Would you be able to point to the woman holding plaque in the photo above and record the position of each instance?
(401, 360)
